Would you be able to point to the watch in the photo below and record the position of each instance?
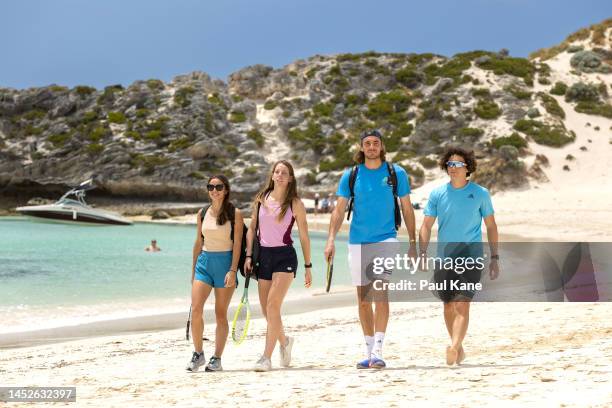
(496, 257)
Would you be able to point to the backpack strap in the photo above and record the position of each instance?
(393, 182)
(352, 179)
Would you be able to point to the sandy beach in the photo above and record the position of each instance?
(527, 354)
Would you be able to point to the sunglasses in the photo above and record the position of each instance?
(218, 187)
(455, 164)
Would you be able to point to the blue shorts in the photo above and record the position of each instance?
(211, 268)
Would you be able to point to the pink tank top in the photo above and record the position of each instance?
(271, 232)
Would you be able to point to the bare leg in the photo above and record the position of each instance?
(366, 314)
(223, 296)
(199, 293)
(280, 285)
(263, 288)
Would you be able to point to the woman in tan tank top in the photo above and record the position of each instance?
(215, 262)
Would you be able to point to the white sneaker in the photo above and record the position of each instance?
(197, 361)
(285, 352)
(263, 364)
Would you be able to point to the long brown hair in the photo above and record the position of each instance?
(269, 186)
(227, 208)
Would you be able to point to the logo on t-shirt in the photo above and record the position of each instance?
(471, 195)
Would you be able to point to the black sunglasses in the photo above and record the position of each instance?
(219, 187)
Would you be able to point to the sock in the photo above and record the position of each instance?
(379, 338)
(369, 341)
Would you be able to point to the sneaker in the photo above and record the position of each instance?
(285, 352)
(197, 361)
(263, 364)
(363, 364)
(214, 364)
(376, 362)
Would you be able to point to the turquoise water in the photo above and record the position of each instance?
(60, 270)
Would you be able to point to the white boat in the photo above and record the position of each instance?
(73, 210)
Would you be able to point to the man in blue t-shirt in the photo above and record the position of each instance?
(460, 206)
(373, 223)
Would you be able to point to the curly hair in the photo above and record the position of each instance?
(467, 155)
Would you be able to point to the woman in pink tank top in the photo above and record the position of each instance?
(275, 209)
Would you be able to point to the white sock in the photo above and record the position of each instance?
(379, 338)
(369, 341)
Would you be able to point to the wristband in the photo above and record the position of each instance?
(309, 265)
(249, 256)
(496, 257)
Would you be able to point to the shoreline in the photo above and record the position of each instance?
(342, 297)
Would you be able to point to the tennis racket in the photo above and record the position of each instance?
(188, 324)
(242, 317)
(330, 272)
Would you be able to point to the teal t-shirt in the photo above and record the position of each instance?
(373, 217)
(459, 211)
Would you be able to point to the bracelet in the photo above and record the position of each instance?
(309, 265)
(413, 241)
(496, 257)
(249, 256)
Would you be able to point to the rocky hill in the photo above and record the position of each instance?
(156, 140)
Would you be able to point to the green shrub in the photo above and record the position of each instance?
(155, 84)
(311, 72)
(35, 114)
(470, 132)
(582, 92)
(82, 90)
(159, 123)
(153, 135)
(148, 162)
(109, 94)
(347, 57)
(335, 70)
(323, 109)
(32, 130)
(452, 69)
(94, 149)
(97, 134)
(182, 96)
(408, 77)
(237, 98)
(237, 117)
(487, 109)
(269, 105)
(133, 135)
(551, 105)
(215, 99)
(513, 140)
(541, 133)
(116, 117)
(427, 162)
(481, 92)
(255, 135)
(354, 100)
(179, 144)
(518, 93)
(60, 139)
(559, 89)
(311, 137)
(593, 108)
(197, 175)
(58, 88)
(142, 113)
(384, 105)
(518, 67)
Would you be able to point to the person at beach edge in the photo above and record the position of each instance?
(215, 263)
(373, 226)
(275, 209)
(460, 207)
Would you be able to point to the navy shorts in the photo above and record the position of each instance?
(276, 259)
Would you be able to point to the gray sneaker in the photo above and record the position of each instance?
(197, 361)
(263, 364)
(285, 352)
(214, 364)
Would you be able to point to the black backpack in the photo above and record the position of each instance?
(244, 234)
(392, 181)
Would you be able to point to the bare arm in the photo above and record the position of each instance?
(335, 222)
(300, 217)
(425, 233)
(197, 246)
(238, 226)
(492, 234)
(408, 213)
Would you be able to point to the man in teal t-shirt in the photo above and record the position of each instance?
(460, 206)
(373, 223)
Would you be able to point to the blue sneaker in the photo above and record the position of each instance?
(363, 364)
(377, 363)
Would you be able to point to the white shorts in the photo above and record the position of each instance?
(360, 276)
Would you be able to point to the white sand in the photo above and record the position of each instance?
(527, 354)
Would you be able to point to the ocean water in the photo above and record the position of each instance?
(58, 274)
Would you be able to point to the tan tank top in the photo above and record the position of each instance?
(216, 237)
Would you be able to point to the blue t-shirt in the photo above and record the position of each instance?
(460, 211)
(373, 217)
